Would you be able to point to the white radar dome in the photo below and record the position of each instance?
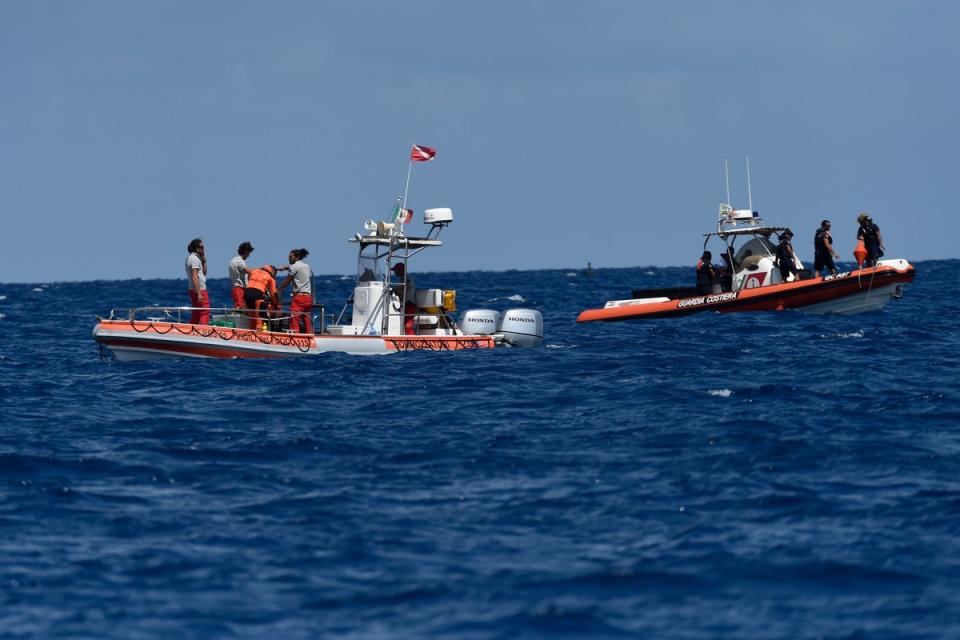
(438, 216)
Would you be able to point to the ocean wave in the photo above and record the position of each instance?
(779, 460)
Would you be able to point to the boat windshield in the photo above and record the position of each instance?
(369, 267)
(756, 247)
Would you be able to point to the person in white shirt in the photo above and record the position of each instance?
(196, 267)
(301, 300)
(239, 272)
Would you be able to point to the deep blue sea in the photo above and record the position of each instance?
(772, 475)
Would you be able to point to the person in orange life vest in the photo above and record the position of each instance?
(239, 271)
(301, 300)
(196, 267)
(407, 293)
(262, 287)
(706, 273)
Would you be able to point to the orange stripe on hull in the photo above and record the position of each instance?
(438, 343)
(226, 342)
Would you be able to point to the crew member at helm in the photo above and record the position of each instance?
(872, 240)
(785, 256)
(407, 293)
(725, 274)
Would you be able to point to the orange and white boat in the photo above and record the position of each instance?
(755, 283)
(384, 315)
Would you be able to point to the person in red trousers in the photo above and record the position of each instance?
(197, 280)
(239, 272)
(301, 301)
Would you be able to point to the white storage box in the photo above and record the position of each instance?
(429, 298)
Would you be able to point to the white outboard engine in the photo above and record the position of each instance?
(479, 322)
(521, 327)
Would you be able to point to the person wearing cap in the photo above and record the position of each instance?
(261, 288)
(706, 273)
(823, 251)
(785, 256)
(239, 272)
(407, 283)
(872, 240)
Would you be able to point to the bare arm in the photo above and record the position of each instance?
(195, 280)
(828, 243)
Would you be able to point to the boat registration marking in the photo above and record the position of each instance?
(842, 274)
(716, 297)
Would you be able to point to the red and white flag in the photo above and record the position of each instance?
(420, 153)
(406, 215)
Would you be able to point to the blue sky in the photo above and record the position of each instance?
(566, 132)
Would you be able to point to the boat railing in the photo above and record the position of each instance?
(182, 315)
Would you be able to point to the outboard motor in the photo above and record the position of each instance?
(521, 327)
(479, 322)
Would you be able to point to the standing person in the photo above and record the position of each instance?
(301, 300)
(197, 279)
(872, 240)
(706, 273)
(726, 273)
(823, 251)
(785, 257)
(406, 291)
(239, 272)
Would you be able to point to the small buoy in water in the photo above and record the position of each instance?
(860, 253)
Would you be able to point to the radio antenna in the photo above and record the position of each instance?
(726, 173)
(749, 191)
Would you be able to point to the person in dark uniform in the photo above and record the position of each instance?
(726, 272)
(823, 251)
(872, 240)
(706, 273)
(785, 257)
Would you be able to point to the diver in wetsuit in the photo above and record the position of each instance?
(785, 257)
